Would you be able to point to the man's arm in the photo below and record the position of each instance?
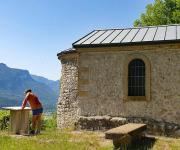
(25, 101)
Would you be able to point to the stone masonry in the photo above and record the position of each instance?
(93, 84)
(104, 123)
(67, 106)
(101, 82)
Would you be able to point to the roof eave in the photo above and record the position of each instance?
(68, 51)
(126, 44)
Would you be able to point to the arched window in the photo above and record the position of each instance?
(136, 78)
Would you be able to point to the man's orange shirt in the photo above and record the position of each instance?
(33, 101)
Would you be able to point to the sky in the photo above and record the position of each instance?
(32, 32)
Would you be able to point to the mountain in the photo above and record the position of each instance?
(13, 83)
(54, 85)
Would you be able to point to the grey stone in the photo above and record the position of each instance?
(104, 123)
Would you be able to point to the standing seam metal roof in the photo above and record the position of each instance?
(138, 35)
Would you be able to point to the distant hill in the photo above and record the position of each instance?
(54, 85)
(13, 83)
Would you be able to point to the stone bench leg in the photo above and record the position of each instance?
(122, 142)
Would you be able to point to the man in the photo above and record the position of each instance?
(37, 110)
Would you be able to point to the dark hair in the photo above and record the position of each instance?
(26, 91)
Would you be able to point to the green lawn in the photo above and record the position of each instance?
(71, 140)
(53, 140)
(167, 144)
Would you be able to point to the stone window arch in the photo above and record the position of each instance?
(137, 78)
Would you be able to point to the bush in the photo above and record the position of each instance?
(49, 122)
(4, 119)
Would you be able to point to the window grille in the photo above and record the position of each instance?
(136, 78)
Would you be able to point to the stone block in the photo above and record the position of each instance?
(83, 93)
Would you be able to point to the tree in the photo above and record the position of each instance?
(161, 12)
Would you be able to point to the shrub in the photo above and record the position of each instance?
(4, 119)
(49, 122)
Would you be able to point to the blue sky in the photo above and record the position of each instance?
(32, 32)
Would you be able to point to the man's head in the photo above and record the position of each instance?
(27, 91)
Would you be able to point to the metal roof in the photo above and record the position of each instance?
(138, 35)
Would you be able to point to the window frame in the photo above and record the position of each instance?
(146, 61)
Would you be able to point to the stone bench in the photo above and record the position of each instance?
(124, 134)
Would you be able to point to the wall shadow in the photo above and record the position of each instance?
(144, 143)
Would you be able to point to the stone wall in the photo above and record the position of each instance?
(67, 107)
(101, 82)
(104, 123)
(93, 84)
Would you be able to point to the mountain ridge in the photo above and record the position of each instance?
(54, 85)
(14, 81)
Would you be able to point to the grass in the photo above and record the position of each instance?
(54, 140)
(71, 140)
(167, 144)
